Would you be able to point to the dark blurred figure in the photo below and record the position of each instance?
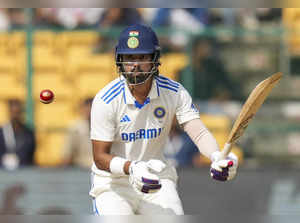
(120, 17)
(115, 18)
(5, 23)
(10, 197)
(255, 18)
(210, 79)
(181, 23)
(68, 18)
(164, 16)
(12, 18)
(223, 16)
(18, 18)
(17, 141)
(269, 14)
(77, 150)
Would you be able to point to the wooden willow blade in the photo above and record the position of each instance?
(249, 109)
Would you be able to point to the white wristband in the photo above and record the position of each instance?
(116, 165)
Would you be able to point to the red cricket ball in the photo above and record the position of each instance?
(46, 96)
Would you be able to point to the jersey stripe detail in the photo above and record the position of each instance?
(157, 88)
(169, 80)
(168, 83)
(167, 87)
(112, 93)
(115, 95)
(114, 86)
(124, 96)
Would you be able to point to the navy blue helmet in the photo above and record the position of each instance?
(137, 39)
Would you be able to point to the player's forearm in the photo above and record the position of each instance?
(126, 167)
(201, 136)
(103, 162)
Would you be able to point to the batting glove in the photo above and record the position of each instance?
(142, 175)
(223, 169)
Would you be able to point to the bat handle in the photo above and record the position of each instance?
(226, 150)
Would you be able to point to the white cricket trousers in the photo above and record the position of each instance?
(117, 197)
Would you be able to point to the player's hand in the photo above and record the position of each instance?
(142, 175)
(223, 169)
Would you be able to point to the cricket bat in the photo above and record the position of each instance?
(249, 109)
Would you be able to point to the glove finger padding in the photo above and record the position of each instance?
(219, 165)
(224, 169)
(224, 163)
(142, 179)
(224, 173)
(140, 186)
(156, 165)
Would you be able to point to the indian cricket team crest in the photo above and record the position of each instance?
(159, 112)
(133, 42)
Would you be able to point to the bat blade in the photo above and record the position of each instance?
(249, 109)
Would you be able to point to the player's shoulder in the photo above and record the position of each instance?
(111, 90)
(168, 84)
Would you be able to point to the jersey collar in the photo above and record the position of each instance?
(129, 99)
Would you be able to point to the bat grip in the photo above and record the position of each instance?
(226, 150)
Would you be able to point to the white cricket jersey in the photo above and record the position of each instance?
(139, 132)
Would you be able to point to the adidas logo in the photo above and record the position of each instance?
(125, 119)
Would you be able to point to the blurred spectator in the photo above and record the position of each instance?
(183, 23)
(17, 17)
(269, 14)
(120, 17)
(69, 18)
(253, 18)
(12, 18)
(222, 16)
(77, 150)
(4, 19)
(247, 18)
(167, 16)
(116, 18)
(10, 198)
(210, 79)
(17, 141)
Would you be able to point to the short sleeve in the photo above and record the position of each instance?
(102, 121)
(185, 110)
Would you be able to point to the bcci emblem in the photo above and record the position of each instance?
(133, 42)
(159, 112)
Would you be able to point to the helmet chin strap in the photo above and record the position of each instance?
(144, 76)
(135, 84)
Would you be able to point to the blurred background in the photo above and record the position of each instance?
(219, 55)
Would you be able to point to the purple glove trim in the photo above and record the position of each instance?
(146, 188)
(224, 173)
(219, 178)
(148, 181)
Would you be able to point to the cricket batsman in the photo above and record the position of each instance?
(130, 121)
